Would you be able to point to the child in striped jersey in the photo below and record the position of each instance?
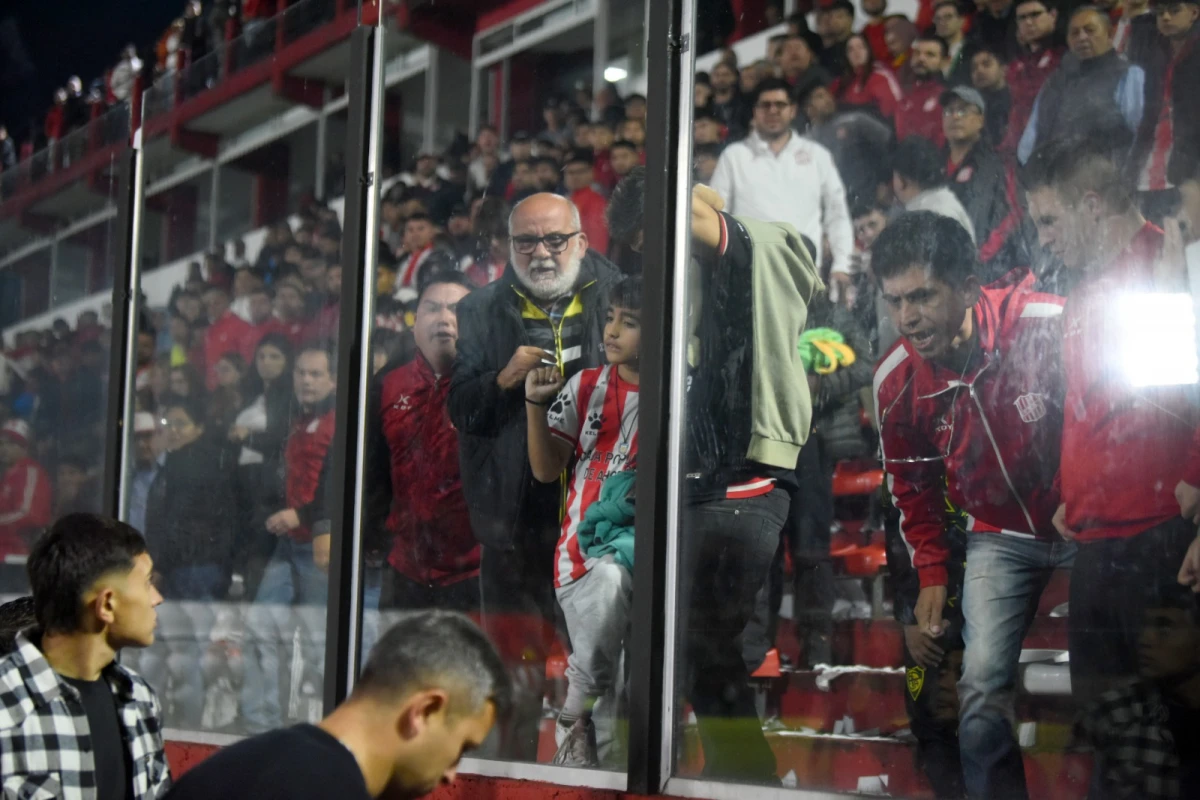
(591, 423)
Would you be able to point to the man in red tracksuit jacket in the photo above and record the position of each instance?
(969, 402)
(919, 112)
(295, 574)
(25, 494)
(418, 514)
(1130, 475)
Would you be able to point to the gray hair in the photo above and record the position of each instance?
(575, 218)
(438, 649)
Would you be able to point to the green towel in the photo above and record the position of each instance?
(811, 356)
(607, 525)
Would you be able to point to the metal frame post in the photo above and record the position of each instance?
(433, 105)
(600, 26)
(649, 761)
(322, 144)
(363, 141)
(214, 207)
(126, 281)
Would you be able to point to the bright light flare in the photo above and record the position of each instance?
(1158, 339)
(615, 74)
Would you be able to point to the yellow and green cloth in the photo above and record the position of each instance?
(824, 350)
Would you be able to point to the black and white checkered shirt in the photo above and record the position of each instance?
(1128, 729)
(45, 745)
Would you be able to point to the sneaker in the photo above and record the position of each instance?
(578, 748)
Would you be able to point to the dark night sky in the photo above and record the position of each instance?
(44, 42)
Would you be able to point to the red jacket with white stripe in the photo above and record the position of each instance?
(25, 505)
(990, 434)
(1126, 446)
(307, 464)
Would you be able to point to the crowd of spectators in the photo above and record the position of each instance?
(202, 30)
(503, 318)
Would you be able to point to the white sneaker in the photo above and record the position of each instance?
(577, 744)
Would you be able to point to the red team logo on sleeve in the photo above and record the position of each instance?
(1031, 407)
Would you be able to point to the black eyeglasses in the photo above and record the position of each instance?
(1029, 16)
(768, 105)
(555, 242)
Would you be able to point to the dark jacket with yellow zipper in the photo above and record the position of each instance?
(502, 496)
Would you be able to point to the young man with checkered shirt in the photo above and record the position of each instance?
(73, 722)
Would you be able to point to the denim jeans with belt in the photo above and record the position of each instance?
(1004, 579)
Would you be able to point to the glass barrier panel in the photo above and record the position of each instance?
(232, 426)
(938, 532)
(301, 18)
(54, 371)
(502, 415)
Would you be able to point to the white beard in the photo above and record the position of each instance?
(549, 287)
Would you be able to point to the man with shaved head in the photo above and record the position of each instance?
(1094, 94)
(547, 310)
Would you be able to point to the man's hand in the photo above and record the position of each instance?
(924, 651)
(1189, 502)
(1060, 523)
(706, 224)
(281, 522)
(542, 384)
(525, 359)
(1189, 571)
(239, 433)
(840, 285)
(321, 545)
(930, 603)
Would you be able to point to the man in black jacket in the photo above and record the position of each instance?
(1093, 93)
(984, 184)
(736, 492)
(1167, 149)
(547, 309)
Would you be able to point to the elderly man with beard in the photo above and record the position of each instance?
(547, 310)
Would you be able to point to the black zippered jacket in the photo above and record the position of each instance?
(492, 438)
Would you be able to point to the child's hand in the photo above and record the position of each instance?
(542, 384)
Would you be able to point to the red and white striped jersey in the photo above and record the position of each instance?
(596, 412)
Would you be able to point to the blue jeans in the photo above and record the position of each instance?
(290, 583)
(372, 578)
(1004, 579)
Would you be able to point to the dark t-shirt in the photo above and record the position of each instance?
(108, 741)
(1185, 728)
(300, 763)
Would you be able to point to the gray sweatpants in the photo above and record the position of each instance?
(596, 608)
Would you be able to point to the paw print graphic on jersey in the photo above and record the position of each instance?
(594, 421)
(560, 405)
